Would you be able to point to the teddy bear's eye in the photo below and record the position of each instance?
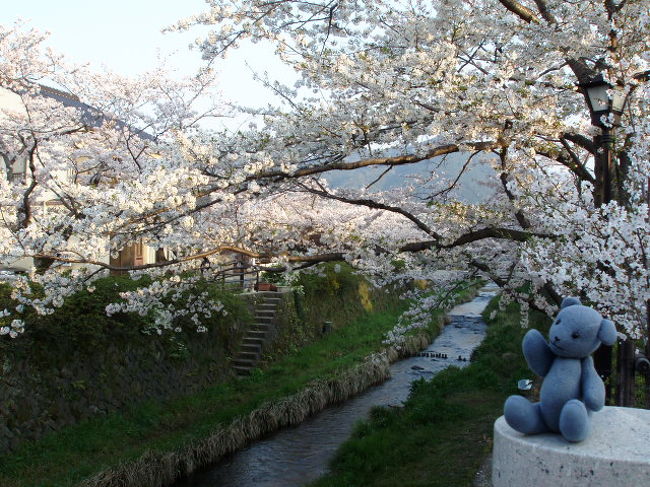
(575, 334)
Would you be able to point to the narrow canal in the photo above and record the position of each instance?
(298, 455)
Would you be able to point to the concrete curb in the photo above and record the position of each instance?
(616, 453)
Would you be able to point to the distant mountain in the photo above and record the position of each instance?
(425, 177)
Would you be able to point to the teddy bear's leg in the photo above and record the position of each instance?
(524, 416)
(574, 421)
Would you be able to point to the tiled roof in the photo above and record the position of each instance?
(90, 116)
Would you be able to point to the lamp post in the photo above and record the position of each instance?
(606, 103)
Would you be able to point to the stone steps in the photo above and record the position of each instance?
(243, 362)
(264, 319)
(250, 351)
(241, 370)
(261, 314)
(256, 334)
(260, 327)
(251, 348)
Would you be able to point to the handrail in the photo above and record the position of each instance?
(241, 271)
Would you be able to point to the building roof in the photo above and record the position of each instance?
(90, 116)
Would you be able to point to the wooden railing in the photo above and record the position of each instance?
(237, 274)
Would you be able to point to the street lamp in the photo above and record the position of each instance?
(606, 103)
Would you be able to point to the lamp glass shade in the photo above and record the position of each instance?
(598, 98)
(618, 100)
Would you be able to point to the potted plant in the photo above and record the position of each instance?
(265, 286)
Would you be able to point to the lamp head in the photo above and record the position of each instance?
(603, 100)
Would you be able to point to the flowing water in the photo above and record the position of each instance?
(297, 455)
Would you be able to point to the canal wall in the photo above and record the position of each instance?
(49, 382)
(163, 469)
(78, 363)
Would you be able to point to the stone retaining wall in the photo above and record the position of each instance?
(39, 395)
(60, 386)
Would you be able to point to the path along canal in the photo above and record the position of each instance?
(298, 455)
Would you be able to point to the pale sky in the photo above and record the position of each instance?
(124, 36)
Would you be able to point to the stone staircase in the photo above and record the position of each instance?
(250, 351)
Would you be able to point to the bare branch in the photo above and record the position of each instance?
(577, 167)
(643, 76)
(503, 177)
(580, 140)
(378, 178)
(26, 208)
(217, 250)
(483, 267)
(482, 234)
(379, 161)
(545, 12)
(455, 181)
(520, 11)
(377, 206)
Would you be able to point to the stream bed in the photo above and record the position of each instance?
(298, 455)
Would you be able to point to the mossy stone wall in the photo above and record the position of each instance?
(78, 363)
(35, 400)
(336, 294)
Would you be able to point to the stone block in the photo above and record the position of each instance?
(616, 453)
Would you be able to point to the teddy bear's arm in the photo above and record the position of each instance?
(593, 389)
(537, 353)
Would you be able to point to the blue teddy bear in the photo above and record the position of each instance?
(571, 389)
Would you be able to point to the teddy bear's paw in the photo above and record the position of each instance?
(574, 421)
(524, 416)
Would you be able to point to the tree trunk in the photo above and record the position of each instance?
(609, 188)
(603, 364)
(625, 383)
(647, 353)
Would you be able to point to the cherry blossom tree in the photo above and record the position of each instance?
(94, 163)
(396, 83)
(87, 158)
(381, 84)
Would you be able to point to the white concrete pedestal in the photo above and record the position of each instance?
(616, 454)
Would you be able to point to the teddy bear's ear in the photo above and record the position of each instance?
(569, 302)
(607, 333)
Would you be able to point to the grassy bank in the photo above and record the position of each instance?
(66, 457)
(147, 433)
(449, 419)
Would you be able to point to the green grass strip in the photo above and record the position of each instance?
(448, 419)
